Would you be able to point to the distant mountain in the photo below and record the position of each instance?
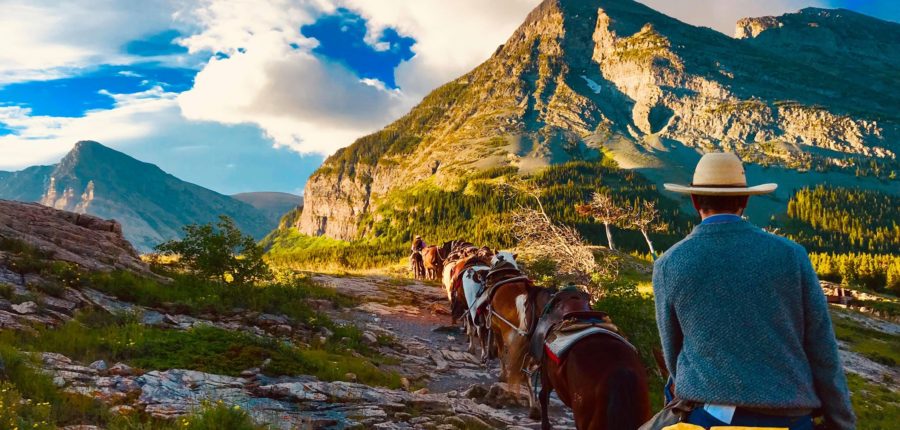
(272, 204)
(150, 204)
(804, 98)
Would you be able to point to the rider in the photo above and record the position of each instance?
(743, 321)
(418, 244)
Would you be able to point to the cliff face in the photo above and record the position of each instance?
(579, 76)
(150, 204)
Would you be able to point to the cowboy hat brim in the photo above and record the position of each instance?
(721, 191)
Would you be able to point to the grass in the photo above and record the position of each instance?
(47, 402)
(94, 335)
(877, 407)
(880, 347)
(194, 296)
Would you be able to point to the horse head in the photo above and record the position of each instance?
(506, 256)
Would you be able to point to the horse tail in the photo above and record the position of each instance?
(623, 409)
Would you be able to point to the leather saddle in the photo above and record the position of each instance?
(558, 318)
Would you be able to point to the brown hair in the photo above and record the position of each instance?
(720, 203)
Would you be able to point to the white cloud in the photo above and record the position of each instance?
(43, 139)
(452, 37)
(722, 15)
(44, 39)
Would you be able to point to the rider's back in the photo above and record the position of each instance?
(744, 322)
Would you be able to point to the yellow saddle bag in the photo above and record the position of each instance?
(686, 426)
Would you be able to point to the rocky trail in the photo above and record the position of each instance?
(444, 387)
(432, 353)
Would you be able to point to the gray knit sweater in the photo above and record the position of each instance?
(744, 322)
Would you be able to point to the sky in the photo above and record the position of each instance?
(252, 95)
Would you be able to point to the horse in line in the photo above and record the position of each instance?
(599, 376)
(433, 258)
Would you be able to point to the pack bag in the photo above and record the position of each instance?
(671, 417)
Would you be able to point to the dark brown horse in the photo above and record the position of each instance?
(416, 266)
(601, 376)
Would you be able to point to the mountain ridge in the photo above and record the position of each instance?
(578, 79)
(151, 205)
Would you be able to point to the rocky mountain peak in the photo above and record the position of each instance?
(809, 90)
(151, 204)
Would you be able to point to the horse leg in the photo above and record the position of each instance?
(471, 333)
(485, 344)
(544, 398)
(534, 410)
(498, 343)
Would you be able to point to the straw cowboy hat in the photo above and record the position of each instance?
(720, 174)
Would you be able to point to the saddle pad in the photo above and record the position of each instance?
(558, 343)
(472, 288)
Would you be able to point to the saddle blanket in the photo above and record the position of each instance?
(559, 342)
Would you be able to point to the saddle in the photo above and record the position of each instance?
(501, 274)
(558, 328)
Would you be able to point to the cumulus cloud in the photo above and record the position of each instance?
(268, 77)
(42, 139)
(47, 39)
(452, 37)
(722, 15)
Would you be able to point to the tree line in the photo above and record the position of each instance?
(836, 219)
(878, 272)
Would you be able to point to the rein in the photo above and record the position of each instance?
(519, 331)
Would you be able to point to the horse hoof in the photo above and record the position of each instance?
(534, 414)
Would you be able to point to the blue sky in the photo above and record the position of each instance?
(251, 96)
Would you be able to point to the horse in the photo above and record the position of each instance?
(433, 258)
(458, 302)
(511, 315)
(459, 251)
(600, 377)
(416, 266)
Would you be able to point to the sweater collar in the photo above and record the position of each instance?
(722, 227)
(720, 218)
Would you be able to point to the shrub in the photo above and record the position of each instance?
(220, 252)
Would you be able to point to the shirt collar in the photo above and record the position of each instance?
(721, 218)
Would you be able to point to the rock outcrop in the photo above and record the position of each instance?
(88, 241)
(580, 76)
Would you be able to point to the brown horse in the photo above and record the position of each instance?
(511, 317)
(600, 377)
(433, 262)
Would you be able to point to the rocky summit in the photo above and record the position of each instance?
(150, 204)
(807, 96)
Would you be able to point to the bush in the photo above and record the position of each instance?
(220, 252)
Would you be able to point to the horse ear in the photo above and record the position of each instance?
(515, 256)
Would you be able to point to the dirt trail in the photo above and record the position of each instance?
(431, 352)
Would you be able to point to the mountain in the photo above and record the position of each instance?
(804, 98)
(150, 204)
(272, 204)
